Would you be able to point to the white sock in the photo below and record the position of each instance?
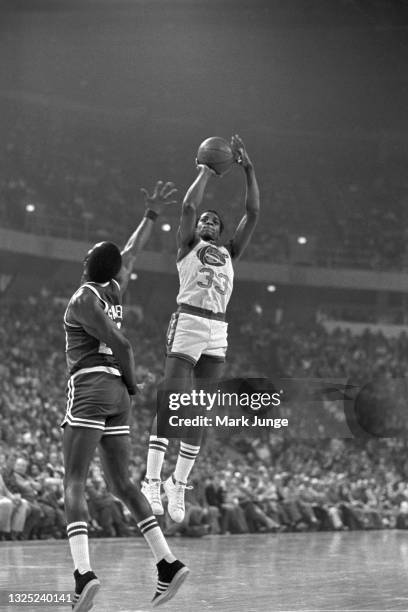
(185, 461)
(78, 543)
(153, 535)
(155, 457)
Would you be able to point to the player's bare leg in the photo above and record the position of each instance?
(79, 447)
(206, 372)
(115, 456)
(178, 377)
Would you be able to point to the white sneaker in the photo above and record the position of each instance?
(151, 491)
(175, 495)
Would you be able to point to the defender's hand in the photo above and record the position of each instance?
(161, 196)
(131, 386)
(132, 390)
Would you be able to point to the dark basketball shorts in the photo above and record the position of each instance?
(98, 400)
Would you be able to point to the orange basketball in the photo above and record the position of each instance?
(216, 153)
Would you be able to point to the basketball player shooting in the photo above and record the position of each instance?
(101, 381)
(197, 334)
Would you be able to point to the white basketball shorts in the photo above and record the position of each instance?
(189, 336)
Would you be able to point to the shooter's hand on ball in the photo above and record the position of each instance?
(204, 169)
(240, 153)
(161, 196)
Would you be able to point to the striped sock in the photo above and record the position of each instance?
(155, 457)
(185, 461)
(153, 535)
(78, 543)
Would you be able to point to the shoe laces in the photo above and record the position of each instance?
(179, 489)
(154, 487)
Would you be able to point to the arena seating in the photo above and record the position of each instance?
(269, 483)
(82, 187)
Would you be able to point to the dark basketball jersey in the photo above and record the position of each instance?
(82, 349)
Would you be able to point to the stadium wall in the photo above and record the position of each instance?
(44, 247)
(29, 262)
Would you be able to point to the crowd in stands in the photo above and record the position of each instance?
(84, 180)
(297, 480)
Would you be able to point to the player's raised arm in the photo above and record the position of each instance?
(162, 195)
(248, 222)
(191, 203)
(88, 312)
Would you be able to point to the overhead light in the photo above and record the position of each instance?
(166, 227)
(30, 208)
(302, 240)
(133, 276)
(271, 288)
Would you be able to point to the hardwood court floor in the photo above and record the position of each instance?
(316, 572)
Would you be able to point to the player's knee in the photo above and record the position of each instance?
(120, 488)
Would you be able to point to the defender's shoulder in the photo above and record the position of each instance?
(83, 296)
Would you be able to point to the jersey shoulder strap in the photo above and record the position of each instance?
(93, 289)
(116, 283)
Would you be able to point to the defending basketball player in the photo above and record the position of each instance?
(197, 334)
(101, 382)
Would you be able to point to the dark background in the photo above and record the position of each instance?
(304, 79)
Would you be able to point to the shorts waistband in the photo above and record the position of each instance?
(201, 312)
(106, 369)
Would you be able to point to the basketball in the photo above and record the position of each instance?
(216, 153)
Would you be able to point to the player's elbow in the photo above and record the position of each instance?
(189, 206)
(253, 213)
(124, 344)
(253, 209)
(119, 344)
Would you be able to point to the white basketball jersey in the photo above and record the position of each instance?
(206, 277)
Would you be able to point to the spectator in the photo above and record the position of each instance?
(19, 482)
(105, 510)
(13, 513)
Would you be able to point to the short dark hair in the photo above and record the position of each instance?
(103, 262)
(211, 210)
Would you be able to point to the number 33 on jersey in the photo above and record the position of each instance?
(206, 277)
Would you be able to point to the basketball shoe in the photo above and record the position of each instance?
(151, 491)
(170, 578)
(175, 490)
(86, 587)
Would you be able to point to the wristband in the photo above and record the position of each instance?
(151, 214)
